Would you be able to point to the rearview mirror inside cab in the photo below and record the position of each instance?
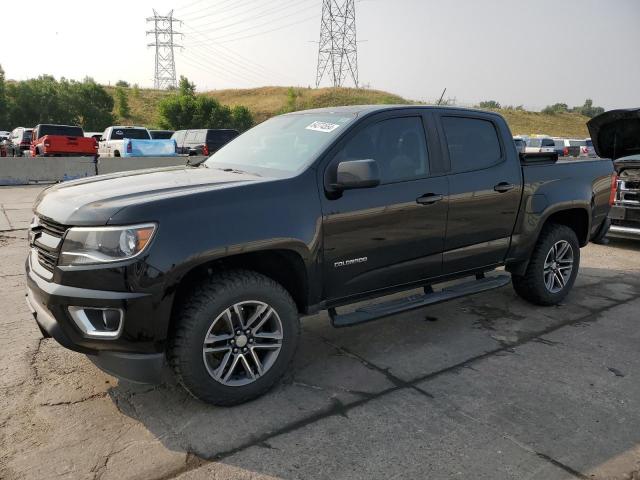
(357, 174)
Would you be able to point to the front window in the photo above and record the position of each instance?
(282, 145)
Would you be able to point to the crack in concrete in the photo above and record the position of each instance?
(74, 402)
(399, 384)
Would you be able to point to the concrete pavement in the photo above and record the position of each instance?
(483, 387)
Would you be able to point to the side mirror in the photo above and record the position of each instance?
(357, 174)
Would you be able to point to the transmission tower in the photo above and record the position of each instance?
(338, 50)
(163, 32)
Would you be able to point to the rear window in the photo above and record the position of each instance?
(547, 142)
(60, 130)
(534, 142)
(133, 133)
(221, 136)
(473, 143)
(589, 143)
(161, 134)
(26, 135)
(577, 143)
(196, 136)
(559, 143)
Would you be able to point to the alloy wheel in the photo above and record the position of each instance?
(558, 266)
(242, 343)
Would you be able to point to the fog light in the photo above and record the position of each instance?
(103, 323)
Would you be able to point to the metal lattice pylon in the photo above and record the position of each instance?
(163, 32)
(338, 50)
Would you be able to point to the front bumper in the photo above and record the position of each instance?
(135, 356)
(625, 222)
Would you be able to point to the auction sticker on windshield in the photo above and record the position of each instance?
(322, 127)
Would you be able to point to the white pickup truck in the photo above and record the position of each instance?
(130, 141)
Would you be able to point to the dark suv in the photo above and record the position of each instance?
(19, 141)
(202, 142)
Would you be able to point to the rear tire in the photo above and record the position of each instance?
(251, 327)
(552, 268)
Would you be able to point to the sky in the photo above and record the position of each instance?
(518, 52)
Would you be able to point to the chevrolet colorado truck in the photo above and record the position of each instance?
(616, 135)
(207, 268)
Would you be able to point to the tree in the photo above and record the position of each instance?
(4, 105)
(185, 109)
(242, 118)
(46, 100)
(555, 108)
(122, 83)
(588, 109)
(122, 100)
(489, 105)
(185, 87)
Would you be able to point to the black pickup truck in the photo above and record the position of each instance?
(207, 268)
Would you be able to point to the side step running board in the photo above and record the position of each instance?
(412, 302)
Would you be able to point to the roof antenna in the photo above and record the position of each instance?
(440, 101)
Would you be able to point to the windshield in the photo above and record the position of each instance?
(282, 145)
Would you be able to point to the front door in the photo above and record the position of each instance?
(485, 188)
(392, 234)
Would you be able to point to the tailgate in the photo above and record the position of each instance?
(149, 148)
(62, 144)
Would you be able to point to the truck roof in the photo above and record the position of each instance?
(366, 109)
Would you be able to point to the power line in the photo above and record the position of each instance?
(232, 56)
(218, 11)
(226, 36)
(163, 32)
(338, 48)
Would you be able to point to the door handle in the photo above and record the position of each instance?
(429, 198)
(503, 187)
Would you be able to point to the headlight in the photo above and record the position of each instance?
(91, 245)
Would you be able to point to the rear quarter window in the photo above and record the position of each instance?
(473, 143)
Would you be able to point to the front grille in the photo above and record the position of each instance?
(47, 256)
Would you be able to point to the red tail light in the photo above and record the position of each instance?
(129, 147)
(205, 150)
(565, 151)
(614, 189)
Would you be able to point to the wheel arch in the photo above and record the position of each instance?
(286, 267)
(576, 218)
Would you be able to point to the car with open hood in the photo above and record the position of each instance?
(616, 135)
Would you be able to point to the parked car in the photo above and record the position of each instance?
(130, 141)
(591, 152)
(521, 144)
(202, 142)
(207, 267)
(19, 142)
(96, 135)
(565, 147)
(616, 135)
(48, 139)
(160, 134)
(540, 145)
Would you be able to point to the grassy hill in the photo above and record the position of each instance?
(265, 102)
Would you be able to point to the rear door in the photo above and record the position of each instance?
(393, 234)
(485, 186)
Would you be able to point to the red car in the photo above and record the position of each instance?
(50, 140)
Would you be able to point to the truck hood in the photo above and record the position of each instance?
(94, 200)
(616, 133)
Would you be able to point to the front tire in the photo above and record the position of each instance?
(552, 268)
(235, 337)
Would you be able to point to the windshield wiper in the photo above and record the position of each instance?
(235, 170)
(197, 163)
